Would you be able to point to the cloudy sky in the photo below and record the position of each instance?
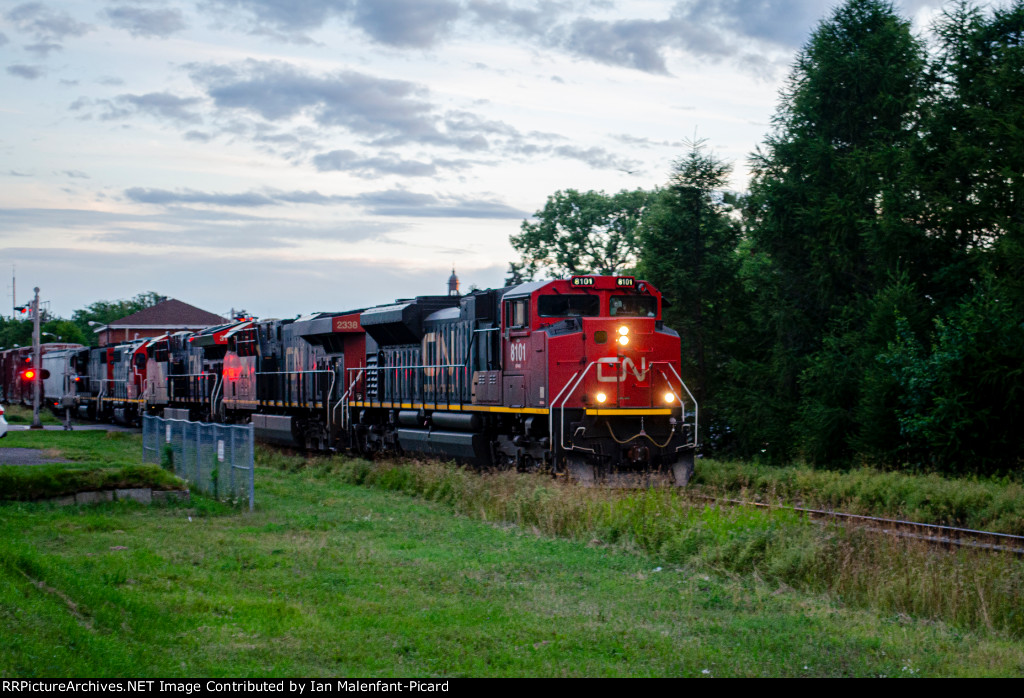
(287, 156)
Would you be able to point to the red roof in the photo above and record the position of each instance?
(169, 313)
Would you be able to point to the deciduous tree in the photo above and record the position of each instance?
(581, 233)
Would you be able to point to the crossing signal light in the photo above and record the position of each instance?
(31, 374)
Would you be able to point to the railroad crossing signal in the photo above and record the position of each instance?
(31, 374)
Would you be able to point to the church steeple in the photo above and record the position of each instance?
(453, 283)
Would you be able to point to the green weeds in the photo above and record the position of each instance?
(994, 504)
(971, 589)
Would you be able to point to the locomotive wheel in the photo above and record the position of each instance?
(501, 460)
(682, 470)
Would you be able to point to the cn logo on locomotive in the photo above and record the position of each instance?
(627, 367)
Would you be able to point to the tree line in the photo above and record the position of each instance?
(863, 302)
(16, 332)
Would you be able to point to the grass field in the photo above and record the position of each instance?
(19, 414)
(332, 578)
(97, 461)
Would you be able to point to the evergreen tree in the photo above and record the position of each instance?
(960, 381)
(971, 164)
(830, 208)
(688, 251)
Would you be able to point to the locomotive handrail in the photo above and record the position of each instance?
(279, 373)
(344, 397)
(459, 377)
(217, 382)
(551, 412)
(327, 402)
(682, 404)
(327, 405)
(388, 368)
(103, 388)
(561, 429)
(99, 395)
(170, 380)
(401, 368)
(577, 378)
(696, 407)
(315, 370)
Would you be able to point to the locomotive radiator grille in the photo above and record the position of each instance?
(371, 378)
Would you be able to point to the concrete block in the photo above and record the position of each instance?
(94, 497)
(67, 501)
(170, 495)
(143, 495)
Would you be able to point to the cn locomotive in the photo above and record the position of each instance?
(576, 376)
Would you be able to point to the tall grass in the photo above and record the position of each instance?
(995, 504)
(970, 589)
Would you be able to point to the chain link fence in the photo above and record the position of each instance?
(216, 459)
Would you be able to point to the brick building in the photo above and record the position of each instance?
(165, 317)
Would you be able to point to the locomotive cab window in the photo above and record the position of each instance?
(569, 306)
(633, 306)
(517, 313)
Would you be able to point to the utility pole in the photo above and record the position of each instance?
(37, 350)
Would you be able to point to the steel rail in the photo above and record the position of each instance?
(945, 535)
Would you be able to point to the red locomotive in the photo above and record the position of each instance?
(576, 376)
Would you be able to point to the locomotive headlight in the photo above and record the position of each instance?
(623, 330)
(623, 340)
(669, 397)
(601, 397)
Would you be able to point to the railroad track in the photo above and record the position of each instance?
(949, 536)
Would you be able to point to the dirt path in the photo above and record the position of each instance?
(27, 456)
